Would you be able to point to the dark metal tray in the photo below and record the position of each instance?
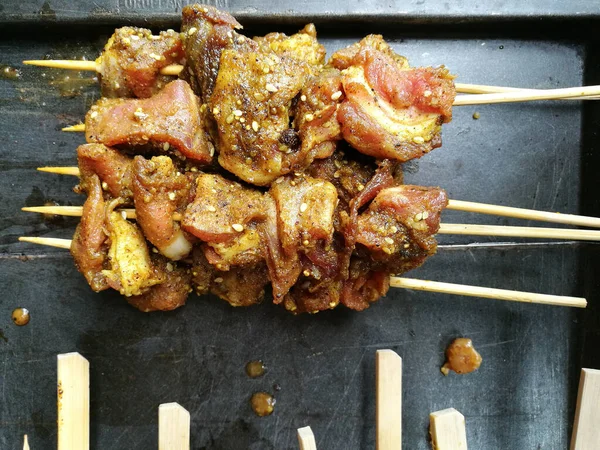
(543, 155)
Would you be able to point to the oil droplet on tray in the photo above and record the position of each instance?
(461, 357)
(255, 369)
(20, 316)
(262, 403)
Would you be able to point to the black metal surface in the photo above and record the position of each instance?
(542, 155)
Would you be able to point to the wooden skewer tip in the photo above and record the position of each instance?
(75, 128)
(306, 439)
(448, 430)
(73, 402)
(388, 367)
(25, 443)
(173, 427)
(586, 433)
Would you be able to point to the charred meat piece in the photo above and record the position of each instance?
(316, 116)
(303, 297)
(131, 271)
(305, 210)
(461, 357)
(241, 286)
(206, 31)
(168, 122)
(170, 294)
(112, 167)
(89, 246)
(252, 105)
(160, 191)
(364, 285)
(399, 226)
(202, 272)
(391, 110)
(302, 46)
(222, 209)
(132, 59)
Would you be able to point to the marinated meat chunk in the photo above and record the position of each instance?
(131, 271)
(364, 285)
(170, 294)
(168, 122)
(241, 286)
(316, 116)
(112, 167)
(302, 46)
(89, 246)
(391, 110)
(305, 210)
(252, 105)
(303, 297)
(202, 272)
(206, 32)
(132, 59)
(284, 267)
(243, 249)
(160, 191)
(222, 209)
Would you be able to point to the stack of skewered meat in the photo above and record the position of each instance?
(263, 164)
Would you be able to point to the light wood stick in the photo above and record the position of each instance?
(25, 443)
(80, 127)
(306, 439)
(522, 213)
(521, 232)
(445, 228)
(586, 427)
(485, 89)
(90, 66)
(60, 170)
(173, 427)
(447, 429)
(73, 402)
(486, 292)
(526, 96)
(50, 242)
(522, 95)
(388, 368)
(419, 285)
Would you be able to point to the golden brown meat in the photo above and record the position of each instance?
(170, 294)
(112, 167)
(132, 59)
(131, 271)
(241, 286)
(160, 191)
(316, 116)
(168, 122)
(222, 209)
(206, 32)
(252, 104)
(305, 210)
(89, 246)
(391, 110)
(302, 46)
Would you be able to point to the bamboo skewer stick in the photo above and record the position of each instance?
(419, 285)
(586, 429)
(25, 443)
(458, 205)
(486, 292)
(73, 402)
(445, 228)
(173, 427)
(60, 170)
(447, 429)
(388, 367)
(522, 95)
(175, 69)
(306, 439)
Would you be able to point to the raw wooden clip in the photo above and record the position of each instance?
(388, 366)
